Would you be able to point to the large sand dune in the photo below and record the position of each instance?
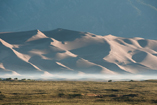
(64, 51)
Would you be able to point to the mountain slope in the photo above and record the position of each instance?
(116, 17)
(64, 51)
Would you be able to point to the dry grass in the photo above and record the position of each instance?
(78, 93)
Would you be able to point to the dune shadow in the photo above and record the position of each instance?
(3, 72)
(127, 41)
(64, 34)
(17, 37)
(143, 43)
(139, 56)
(16, 64)
(48, 65)
(91, 70)
(40, 44)
(110, 66)
(93, 51)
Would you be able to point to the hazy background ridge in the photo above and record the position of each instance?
(125, 18)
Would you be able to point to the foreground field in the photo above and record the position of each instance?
(77, 93)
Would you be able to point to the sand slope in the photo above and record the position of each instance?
(64, 51)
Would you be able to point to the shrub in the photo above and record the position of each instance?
(109, 80)
(74, 95)
(15, 78)
(61, 94)
(23, 79)
(8, 79)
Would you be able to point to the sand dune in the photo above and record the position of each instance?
(64, 51)
(38, 36)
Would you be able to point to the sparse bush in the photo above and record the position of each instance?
(109, 80)
(23, 79)
(15, 78)
(8, 79)
(61, 94)
(74, 95)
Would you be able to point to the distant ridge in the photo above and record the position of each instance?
(63, 51)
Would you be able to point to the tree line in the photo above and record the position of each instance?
(14, 79)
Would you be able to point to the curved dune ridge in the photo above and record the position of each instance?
(64, 51)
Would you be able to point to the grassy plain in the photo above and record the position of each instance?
(78, 93)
